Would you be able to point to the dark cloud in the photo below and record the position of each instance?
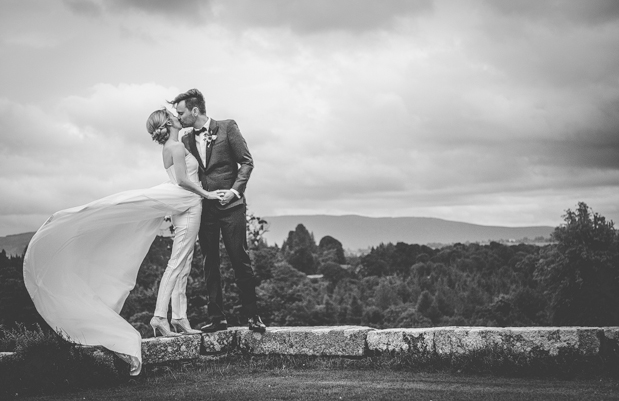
(322, 15)
(593, 147)
(590, 12)
(190, 10)
(183, 8)
(299, 16)
(542, 50)
(84, 7)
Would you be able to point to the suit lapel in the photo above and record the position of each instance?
(213, 129)
(193, 148)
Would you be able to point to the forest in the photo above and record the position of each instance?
(573, 281)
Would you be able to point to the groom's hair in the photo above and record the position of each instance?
(193, 98)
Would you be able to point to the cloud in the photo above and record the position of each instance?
(320, 15)
(592, 12)
(83, 149)
(179, 10)
(300, 16)
(176, 8)
(116, 111)
(84, 7)
(477, 111)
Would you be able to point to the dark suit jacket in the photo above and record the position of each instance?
(228, 161)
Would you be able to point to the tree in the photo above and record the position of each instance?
(299, 250)
(372, 316)
(16, 306)
(303, 260)
(333, 248)
(256, 228)
(333, 273)
(424, 303)
(385, 296)
(299, 238)
(581, 271)
(355, 310)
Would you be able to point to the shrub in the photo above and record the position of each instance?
(45, 362)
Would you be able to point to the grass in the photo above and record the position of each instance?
(46, 363)
(241, 379)
(49, 365)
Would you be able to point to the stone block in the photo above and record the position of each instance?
(218, 342)
(611, 334)
(100, 353)
(326, 341)
(470, 339)
(417, 340)
(552, 340)
(463, 340)
(610, 342)
(106, 358)
(589, 340)
(443, 337)
(162, 349)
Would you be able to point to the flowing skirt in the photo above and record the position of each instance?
(82, 263)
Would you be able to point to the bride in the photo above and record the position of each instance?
(82, 263)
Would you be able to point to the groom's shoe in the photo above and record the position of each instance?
(255, 324)
(215, 326)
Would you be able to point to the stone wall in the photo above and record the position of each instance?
(418, 344)
(358, 341)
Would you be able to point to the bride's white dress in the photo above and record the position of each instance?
(82, 263)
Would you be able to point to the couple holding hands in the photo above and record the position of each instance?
(82, 263)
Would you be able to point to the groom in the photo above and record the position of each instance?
(225, 166)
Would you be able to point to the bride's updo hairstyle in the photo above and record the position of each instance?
(157, 126)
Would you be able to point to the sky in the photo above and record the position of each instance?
(495, 112)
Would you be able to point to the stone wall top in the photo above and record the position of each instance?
(360, 341)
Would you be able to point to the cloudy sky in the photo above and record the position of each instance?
(490, 112)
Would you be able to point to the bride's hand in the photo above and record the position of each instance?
(214, 195)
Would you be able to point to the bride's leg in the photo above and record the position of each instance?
(179, 294)
(172, 271)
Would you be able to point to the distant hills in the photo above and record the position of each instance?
(359, 232)
(15, 244)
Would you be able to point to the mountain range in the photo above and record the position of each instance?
(360, 232)
(15, 244)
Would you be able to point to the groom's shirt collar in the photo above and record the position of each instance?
(206, 124)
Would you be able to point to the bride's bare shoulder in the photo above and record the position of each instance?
(173, 147)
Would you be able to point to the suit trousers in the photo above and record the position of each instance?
(173, 283)
(232, 226)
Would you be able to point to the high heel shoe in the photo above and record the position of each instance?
(161, 324)
(183, 326)
(135, 366)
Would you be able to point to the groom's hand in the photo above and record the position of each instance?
(228, 196)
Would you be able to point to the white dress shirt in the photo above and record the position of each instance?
(201, 141)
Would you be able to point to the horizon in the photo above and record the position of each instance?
(358, 215)
(406, 217)
(493, 113)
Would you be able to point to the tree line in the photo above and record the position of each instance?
(573, 281)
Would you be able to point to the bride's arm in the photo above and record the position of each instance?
(180, 170)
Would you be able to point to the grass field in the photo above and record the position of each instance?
(320, 384)
(241, 379)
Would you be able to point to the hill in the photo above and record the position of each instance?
(15, 244)
(359, 232)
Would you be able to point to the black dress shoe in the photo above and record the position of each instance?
(255, 324)
(215, 326)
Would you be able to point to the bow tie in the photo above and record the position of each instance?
(199, 131)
